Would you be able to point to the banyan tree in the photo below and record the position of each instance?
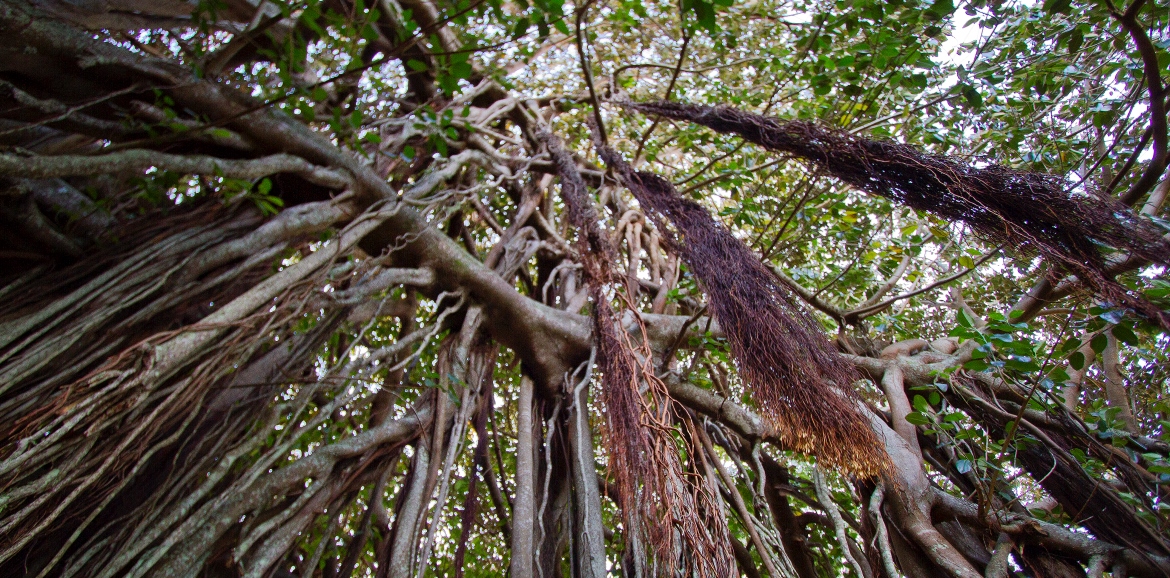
(409, 288)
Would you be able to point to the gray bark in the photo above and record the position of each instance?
(1115, 384)
(409, 516)
(589, 541)
(523, 507)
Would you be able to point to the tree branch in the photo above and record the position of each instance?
(48, 167)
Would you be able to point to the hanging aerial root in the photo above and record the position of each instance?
(663, 507)
(1033, 212)
(673, 511)
(802, 385)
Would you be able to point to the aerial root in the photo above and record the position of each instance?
(1034, 213)
(802, 385)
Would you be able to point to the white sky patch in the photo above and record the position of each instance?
(952, 52)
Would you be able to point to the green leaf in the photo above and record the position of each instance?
(1075, 41)
(965, 319)
(963, 466)
(1070, 344)
(941, 9)
(917, 418)
(704, 13)
(1022, 364)
(1058, 6)
(976, 365)
(521, 27)
(920, 404)
(1113, 315)
(1077, 361)
(461, 70)
(408, 21)
(1125, 335)
(1099, 342)
(972, 96)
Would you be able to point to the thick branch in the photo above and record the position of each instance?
(136, 160)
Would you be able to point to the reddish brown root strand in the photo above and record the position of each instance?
(1029, 212)
(797, 379)
(643, 457)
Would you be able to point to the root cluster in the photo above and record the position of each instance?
(644, 457)
(796, 377)
(1030, 212)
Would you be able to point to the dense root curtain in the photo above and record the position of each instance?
(802, 385)
(672, 511)
(1031, 212)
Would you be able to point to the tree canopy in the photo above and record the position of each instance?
(407, 288)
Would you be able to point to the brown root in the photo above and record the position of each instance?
(1032, 212)
(644, 457)
(801, 384)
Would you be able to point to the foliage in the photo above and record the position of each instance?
(310, 357)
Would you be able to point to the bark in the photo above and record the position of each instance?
(912, 503)
(554, 514)
(997, 567)
(399, 558)
(746, 519)
(838, 524)
(793, 535)
(885, 550)
(1115, 384)
(1072, 391)
(139, 160)
(523, 505)
(743, 558)
(894, 386)
(589, 535)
